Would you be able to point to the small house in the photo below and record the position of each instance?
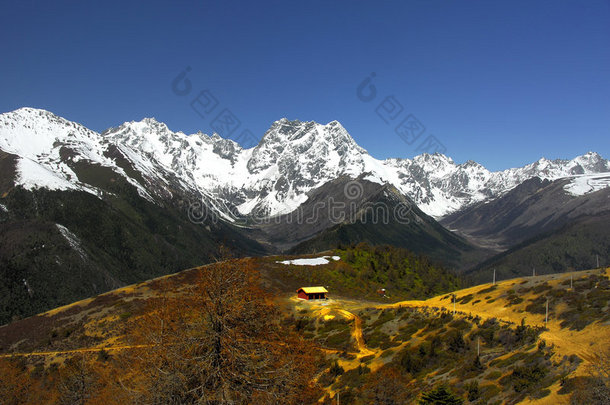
(312, 293)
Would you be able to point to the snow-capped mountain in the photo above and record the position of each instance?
(46, 143)
(292, 159)
(440, 186)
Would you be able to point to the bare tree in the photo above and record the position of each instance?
(220, 342)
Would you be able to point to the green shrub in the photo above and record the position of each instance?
(526, 376)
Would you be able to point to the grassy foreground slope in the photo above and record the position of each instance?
(495, 348)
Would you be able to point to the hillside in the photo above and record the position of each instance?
(532, 208)
(577, 245)
(61, 246)
(420, 344)
(362, 273)
(376, 215)
(417, 345)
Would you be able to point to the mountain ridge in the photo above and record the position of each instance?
(271, 178)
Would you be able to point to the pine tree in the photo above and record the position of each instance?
(440, 396)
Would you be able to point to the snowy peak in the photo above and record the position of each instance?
(290, 141)
(332, 134)
(30, 132)
(275, 177)
(156, 138)
(589, 163)
(49, 147)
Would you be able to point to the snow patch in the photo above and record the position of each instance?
(585, 184)
(73, 240)
(32, 175)
(3, 208)
(316, 261)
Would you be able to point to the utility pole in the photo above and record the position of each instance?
(597, 257)
(478, 346)
(338, 398)
(546, 317)
(534, 272)
(571, 281)
(494, 282)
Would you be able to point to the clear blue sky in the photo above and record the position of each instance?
(499, 82)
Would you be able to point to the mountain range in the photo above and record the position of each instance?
(140, 200)
(272, 178)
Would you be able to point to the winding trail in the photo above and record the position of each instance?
(585, 343)
(357, 333)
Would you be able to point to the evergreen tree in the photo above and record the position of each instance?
(440, 396)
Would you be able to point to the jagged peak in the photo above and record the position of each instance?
(590, 155)
(472, 163)
(147, 122)
(285, 130)
(436, 157)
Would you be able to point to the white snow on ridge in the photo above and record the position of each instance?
(316, 261)
(588, 183)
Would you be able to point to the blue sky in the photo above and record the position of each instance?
(502, 83)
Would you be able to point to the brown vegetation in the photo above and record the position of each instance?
(219, 342)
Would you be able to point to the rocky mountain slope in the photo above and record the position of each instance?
(533, 207)
(540, 224)
(579, 244)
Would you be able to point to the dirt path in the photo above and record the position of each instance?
(74, 351)
(357, 333)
